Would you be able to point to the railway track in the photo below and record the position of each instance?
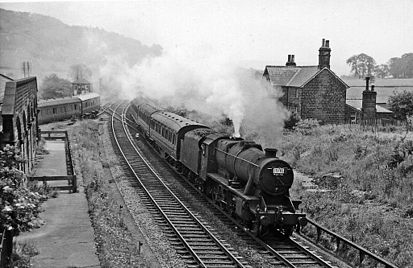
(280, 253)
(190, 236)
(292, 252)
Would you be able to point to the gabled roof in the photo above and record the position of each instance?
(3, 80)
(87, 96)
(294, 76)
(59, 101)
(81, 81)
(304, 74)
(280, 75)
(357, 104)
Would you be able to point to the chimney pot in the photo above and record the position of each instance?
(367, 82)
(292, 58)
(372, 87)
(327, 43)
(323, 42)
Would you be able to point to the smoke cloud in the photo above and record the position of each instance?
(204, 81)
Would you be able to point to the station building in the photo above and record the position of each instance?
(18, 117)
(311, 91)
(81, 86)
(317, 92)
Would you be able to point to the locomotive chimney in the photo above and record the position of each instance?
(270, 152)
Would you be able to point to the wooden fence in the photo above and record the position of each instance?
(70, 177)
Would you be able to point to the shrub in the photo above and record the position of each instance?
(19, 206)
(306, 126)
(292, 121)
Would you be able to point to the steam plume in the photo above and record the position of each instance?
(206, 82)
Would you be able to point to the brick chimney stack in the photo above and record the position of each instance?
(368, 105)
(290, 61)
(324, 54)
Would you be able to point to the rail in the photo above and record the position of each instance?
(185, 242)
(341, 241)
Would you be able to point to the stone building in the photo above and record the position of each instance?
(311, 91)
(81, 86)
(18, 118)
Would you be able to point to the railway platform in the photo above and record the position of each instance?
(67, 238)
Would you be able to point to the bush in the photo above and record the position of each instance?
(19, 206)
(306, 126)
(292, 121)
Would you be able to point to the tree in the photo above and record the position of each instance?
(402, 67)
(401, 104)
(80, 71)
(381, 71)
(362, 65)
(55, 87)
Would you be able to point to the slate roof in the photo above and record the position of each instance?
(304, 74)
(87, 96)
(379, 82)
(280, 75)
(357, 104)
(294, 76)
(53, 102)
(81, 81)
(3, 80)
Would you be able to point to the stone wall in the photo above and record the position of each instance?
(324, 98)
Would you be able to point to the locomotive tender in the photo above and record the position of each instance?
(242, 178)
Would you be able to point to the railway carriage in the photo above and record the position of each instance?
(90, 103)
(68, 108)
(143, 114)
(59, 109)
(168, 129)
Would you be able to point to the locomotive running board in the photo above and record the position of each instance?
(239, 192)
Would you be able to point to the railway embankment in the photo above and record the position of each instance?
(366, 180)
(122, 239)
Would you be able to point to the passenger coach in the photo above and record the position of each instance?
(68, 108)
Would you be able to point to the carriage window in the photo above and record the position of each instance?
(173, 138)
(54, 110)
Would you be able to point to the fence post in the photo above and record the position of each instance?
(7, 248)
(74, 183)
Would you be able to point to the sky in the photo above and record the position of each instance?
(252, 33)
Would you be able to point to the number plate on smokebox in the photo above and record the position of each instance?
(278, 171)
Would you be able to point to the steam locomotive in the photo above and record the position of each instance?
(246, 181)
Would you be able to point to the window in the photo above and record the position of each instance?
(54, 110)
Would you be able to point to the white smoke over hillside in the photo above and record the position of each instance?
(204, 82)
